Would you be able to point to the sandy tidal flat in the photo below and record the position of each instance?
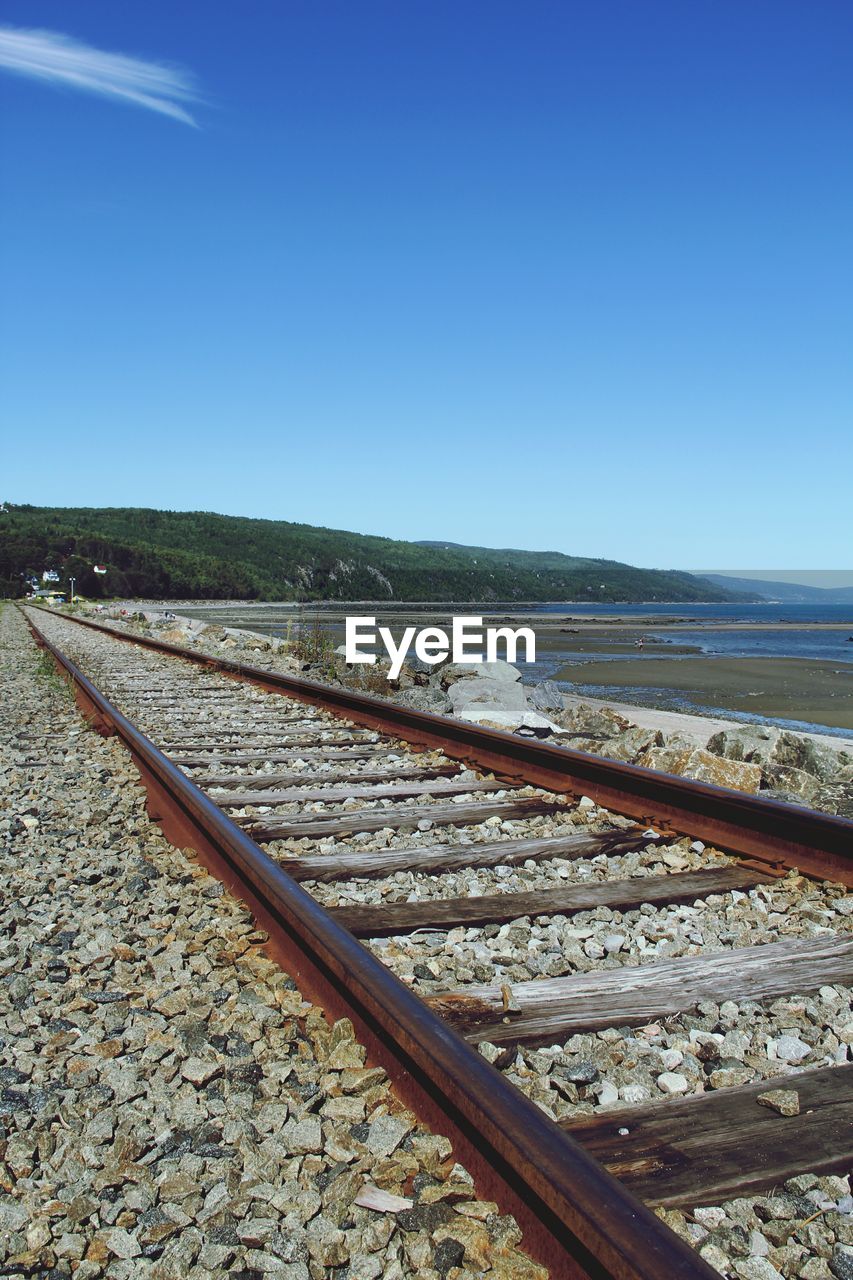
(811, 692)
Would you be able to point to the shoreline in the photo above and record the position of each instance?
(809, 691)
(438, 610)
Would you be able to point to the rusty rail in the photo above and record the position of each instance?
(819, 844)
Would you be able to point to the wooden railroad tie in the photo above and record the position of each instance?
(552, 1009)
(721, 1144)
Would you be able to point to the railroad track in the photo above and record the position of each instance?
(520, 945)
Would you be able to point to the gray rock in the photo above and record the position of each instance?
(13, 1216)
(792, 782)
(841, 1262)
(385, 1134)
(756, 1269)
(546, 697)
(786, 1102)
(451, 673)
(581, 1072)
(425, 698)
(753, 744)
(672, 1082)
(300, 1137)
(791, 1049)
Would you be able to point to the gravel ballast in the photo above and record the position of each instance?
(170, 1106)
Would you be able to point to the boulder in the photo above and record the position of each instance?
(753, 743)
(768, 746)
(593, 722)
(495, 715)
(467, 692)
(795, 783)
(491, 694)
(628, 746)
(452, 672)
(424, 698)
(796, 752)
(247, 639)
(175, 635)
(546, 697)
(704, 766)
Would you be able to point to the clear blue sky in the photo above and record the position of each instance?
(554, 275)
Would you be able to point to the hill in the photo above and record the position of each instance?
(784, 592)
(200, 555)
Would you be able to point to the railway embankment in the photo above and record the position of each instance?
(170, 1105)
(682, 1014)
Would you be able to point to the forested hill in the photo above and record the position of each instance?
(196, 554)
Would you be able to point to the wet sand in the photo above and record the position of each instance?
(812, 692)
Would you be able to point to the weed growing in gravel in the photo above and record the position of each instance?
(315, 645)
(47, 674)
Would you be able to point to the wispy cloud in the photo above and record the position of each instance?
(61, 60)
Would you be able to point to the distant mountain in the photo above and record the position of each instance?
(197, 554)
(784, 592)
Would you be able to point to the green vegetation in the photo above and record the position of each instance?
(200, 555)
(47, 674)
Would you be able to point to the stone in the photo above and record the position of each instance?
(714, 1256)
(199, 1071)
(256, 1232)
(580, 1072)
(121, 1243)
(794, 782)
(841, 1262)
(799, 752)
(449, 1253)
(758, 1246)
(491, 693)
(752, 743)
(71, 1245)
(503, 673)
(385, 1134)
(628, 746)
(301, 1137)
(729, 1077)
(547, 698)
(613, 943)
(326, 1242)
(791, 1048)
(13, 1216)
(672, 1082)
(784, 1101)
(756, 1269)
(473, 1237)
(634, 1093)
(587, 721)
(671, 1058)
(704, 766)
(710, 1216)
(511, 1265)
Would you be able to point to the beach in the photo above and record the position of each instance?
(794, 689)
